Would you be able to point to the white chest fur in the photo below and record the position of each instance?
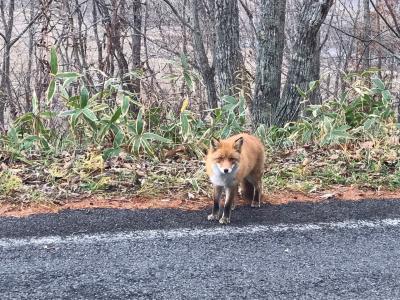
(223, 179)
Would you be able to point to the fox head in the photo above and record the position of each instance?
(226, 155)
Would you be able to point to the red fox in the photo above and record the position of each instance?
(238, 160)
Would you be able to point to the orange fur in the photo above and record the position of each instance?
(242, 158)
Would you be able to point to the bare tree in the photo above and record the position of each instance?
(42, 49)
(309, 20)
(228, 58)
(136, 44)
(7, 17)
(366, 35)
(269, 61)
(5, 83)
(28, 84)
(207, 71)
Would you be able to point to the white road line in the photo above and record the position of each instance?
(192, 232)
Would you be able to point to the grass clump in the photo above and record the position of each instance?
(9, 183)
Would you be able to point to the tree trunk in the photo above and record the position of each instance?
(116, 37)
(28, 86)
(271, 37)
(97, 37)
(300, 70)
(315, 97)
(42, 79)
(5, 85)
(5, 82)
(366, 35)
(136, 44)
(228, 58)
(207, 71)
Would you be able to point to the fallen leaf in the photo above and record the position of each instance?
(327, 196)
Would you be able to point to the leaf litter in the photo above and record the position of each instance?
(84, 180)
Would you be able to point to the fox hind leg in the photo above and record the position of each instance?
(234, 200)
(253, 190)
(247, 190)
(256, 201)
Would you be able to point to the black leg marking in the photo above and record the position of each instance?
(230, 195)
(215, 215)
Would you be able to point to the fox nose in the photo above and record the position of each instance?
(226, 171)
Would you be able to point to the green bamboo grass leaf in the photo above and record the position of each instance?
(189, 81)
(103, 130)
(302, 93)
(12, 135)
(53, 61)
(24, 118)
(28, 141)
(139, 124)
(45, 144)
(146, 146)
(51, 90)
(74, 119)
(35, 104)
(84, 97)
(118, 139)
(155, 137)
(185, 126)
(64, 92)
(111, 152)
(378, 84)
(125, 105)
(386, 95)
(313, 85)
(135, 142)
(116, 115)
(90, 115)
(68, 113)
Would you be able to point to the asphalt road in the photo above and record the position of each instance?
(331, 250)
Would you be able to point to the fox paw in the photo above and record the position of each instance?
(255, 204)
(224, 220)
(212, 217)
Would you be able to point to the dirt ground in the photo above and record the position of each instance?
(339, 193)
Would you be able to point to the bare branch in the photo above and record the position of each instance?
(367, 41)
(14, 40)
(178, 15)
(391, 11)
(384, 20)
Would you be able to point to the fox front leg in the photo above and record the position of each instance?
(216, 208)
(229, 200)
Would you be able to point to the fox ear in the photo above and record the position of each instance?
(238, 144)
(215, 143)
